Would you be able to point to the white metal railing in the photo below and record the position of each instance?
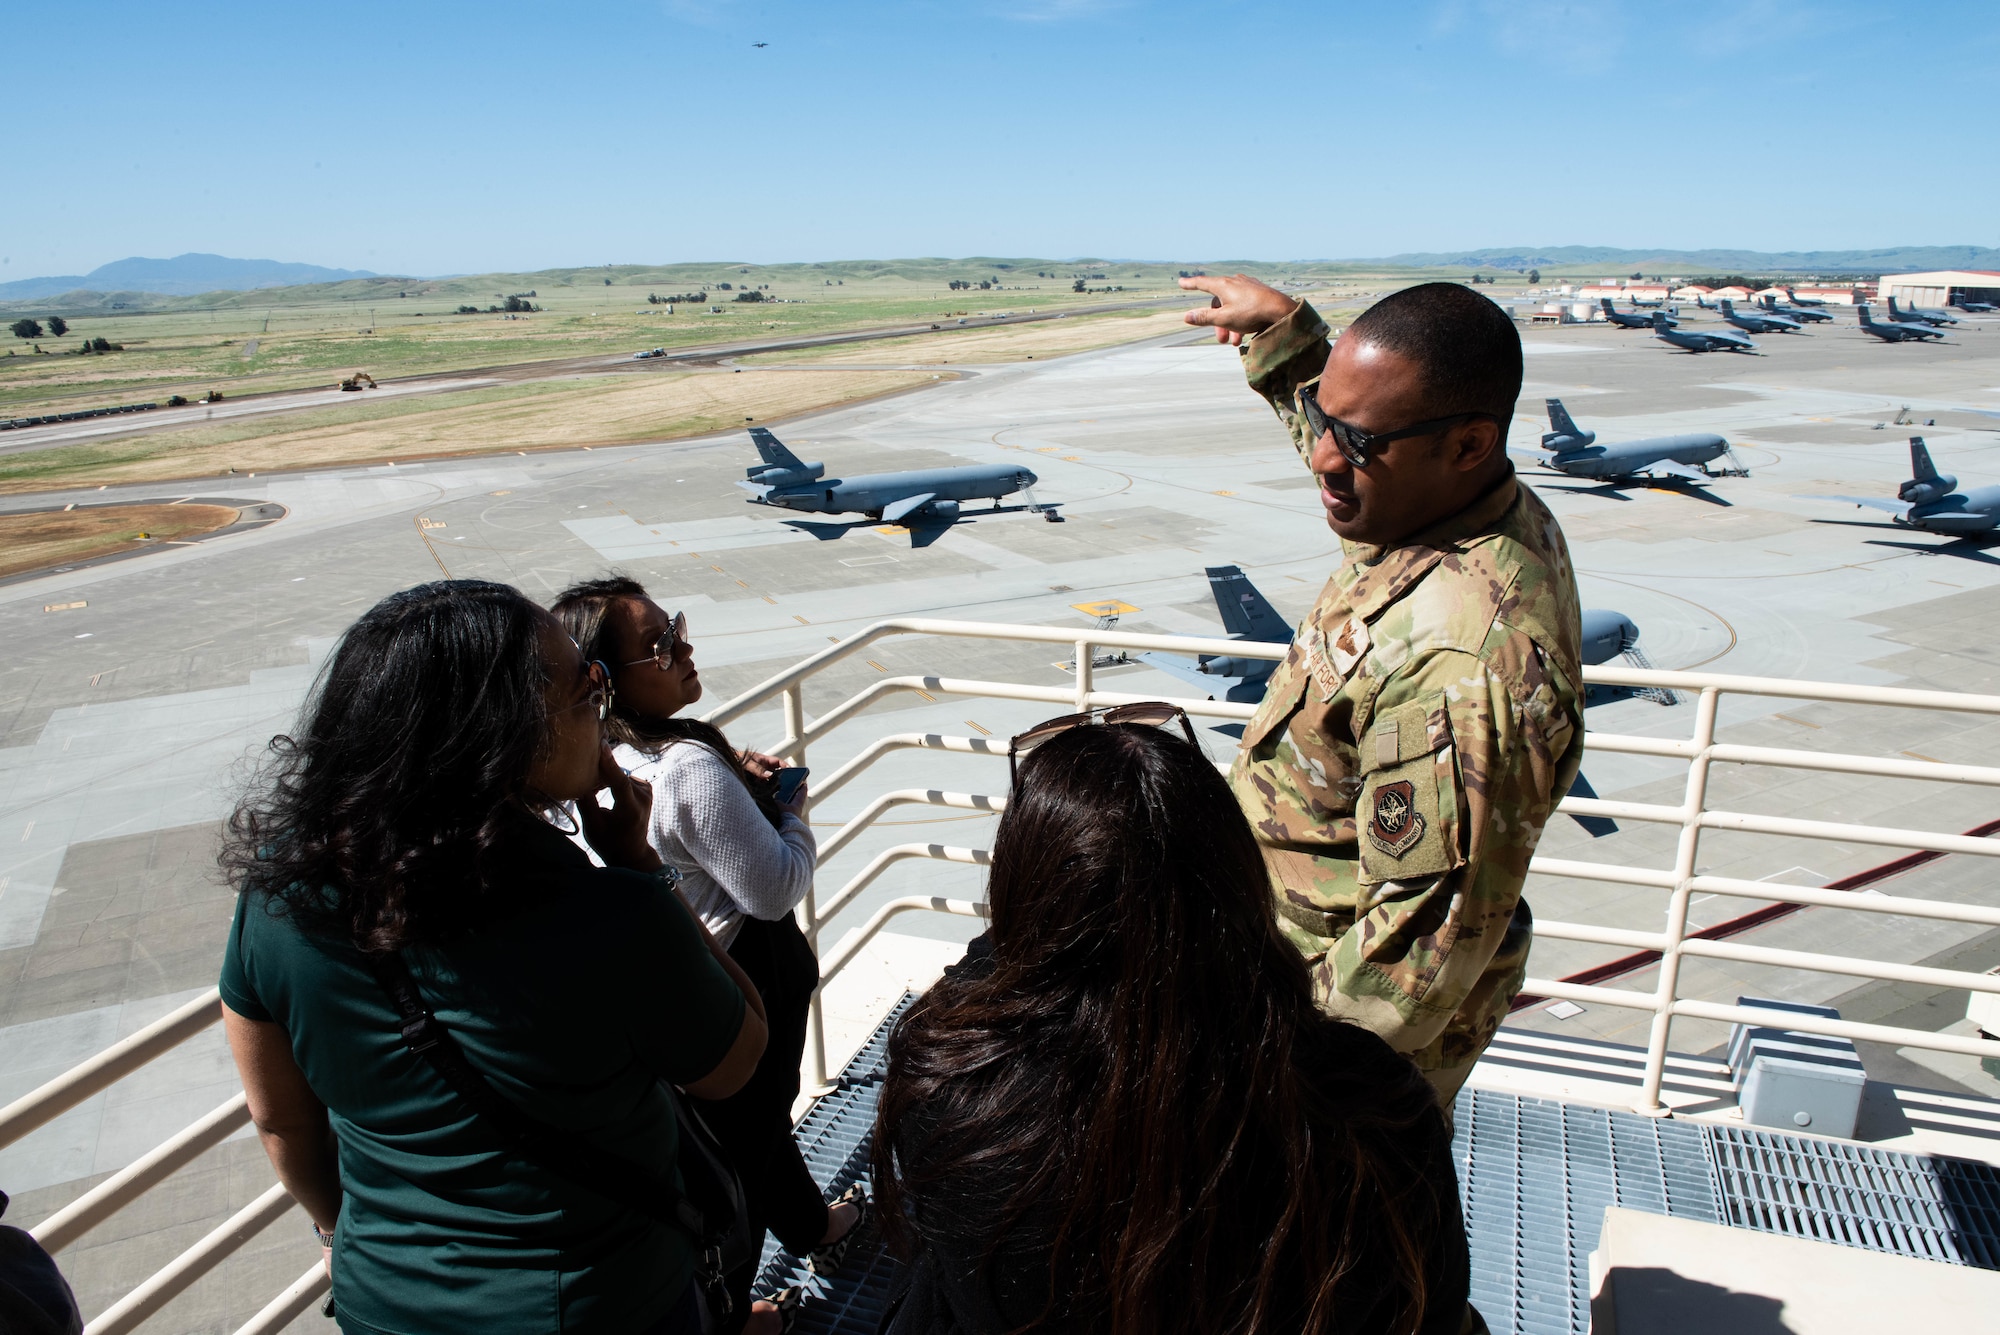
(1673, 943)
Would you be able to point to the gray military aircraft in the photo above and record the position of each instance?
(1896, 333)
(1970, 306)
(1572, 450)
(926, 495)
(1246, 615)
(1758, 323)
(1807, 314)
(1921, 315)
(1631, 319)
(1931, 501)
(1700, 340)
(1798, 300)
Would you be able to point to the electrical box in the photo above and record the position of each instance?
(1790, 1081)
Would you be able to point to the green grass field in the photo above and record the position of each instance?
(288, 338)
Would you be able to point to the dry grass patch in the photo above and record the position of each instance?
(603, 410)
(999, 343)
(53, 537)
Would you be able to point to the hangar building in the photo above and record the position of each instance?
(1945, 287)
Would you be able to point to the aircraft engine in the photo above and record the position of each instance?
(777, 475)
(943, 509)
(1928, 490)
(1226, 665)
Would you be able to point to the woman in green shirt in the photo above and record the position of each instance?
(407, 815)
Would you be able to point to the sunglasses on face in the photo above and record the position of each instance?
(1151, 713)
(1358, 445)
(670, 644)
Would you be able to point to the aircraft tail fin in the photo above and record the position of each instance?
(1246, 613)
(772, 450)
(1559, 418)
(1921, 467)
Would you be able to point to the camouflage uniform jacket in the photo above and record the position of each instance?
(1408, 751)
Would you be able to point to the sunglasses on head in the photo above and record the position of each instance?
(1358, 445)
(1152, 713)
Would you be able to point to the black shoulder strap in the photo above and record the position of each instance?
(634, 1185)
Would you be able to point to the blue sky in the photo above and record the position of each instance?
(440, 137)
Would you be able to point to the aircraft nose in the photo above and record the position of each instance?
(1029, 479)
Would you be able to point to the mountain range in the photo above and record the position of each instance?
(183, 275)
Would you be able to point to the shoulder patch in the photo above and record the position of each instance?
(1396, 825)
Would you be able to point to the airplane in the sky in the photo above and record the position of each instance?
(1757, 323)
(1631, 319)
(1896, 333)
(1931, 501)
(1808, 314)
(926, 495)
(1700, 340)
(1574, 451)
(1920, 315)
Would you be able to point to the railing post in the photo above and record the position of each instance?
(1695, 801)
(808, 909)
(1083, 683)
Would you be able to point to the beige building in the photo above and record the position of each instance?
(1944, 287)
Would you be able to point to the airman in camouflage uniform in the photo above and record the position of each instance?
(1410, 748)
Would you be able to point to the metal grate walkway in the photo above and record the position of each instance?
(1535, 1177)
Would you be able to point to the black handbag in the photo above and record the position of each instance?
(711, 1210)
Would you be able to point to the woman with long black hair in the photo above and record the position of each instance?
(406, 821)
(746, 860)
(1127, 1117)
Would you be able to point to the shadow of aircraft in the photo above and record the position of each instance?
(922, 532)
(1962, 549)
(1616, 490)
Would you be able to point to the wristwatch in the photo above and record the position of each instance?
(325, 1239)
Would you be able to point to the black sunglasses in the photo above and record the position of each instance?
(1153, 713)
(1360, 446)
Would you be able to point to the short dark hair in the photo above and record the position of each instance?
(1466, 346)
(390, 814)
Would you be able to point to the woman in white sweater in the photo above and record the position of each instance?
(746, 860)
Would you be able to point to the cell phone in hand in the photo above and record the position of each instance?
(788, 780)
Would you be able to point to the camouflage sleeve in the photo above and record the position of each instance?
(1481, 788)
(1282, 358)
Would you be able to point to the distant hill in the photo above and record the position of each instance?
(1890, 259)
(183, 275)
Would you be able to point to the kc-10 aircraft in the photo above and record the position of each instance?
(1246, 615)
(1808, 314)
(925, 495)
(1921, 315)
(1757, 323)
(1572, 450)
(1897, 333)
(1700, 340)
(1631, 319)
(1931, 501)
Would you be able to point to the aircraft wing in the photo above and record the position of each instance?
(895, 511)
(1174, 665)
(1872, 502)
(757, 489)
(1676, 469)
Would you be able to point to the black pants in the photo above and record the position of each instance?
(754, 1124)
